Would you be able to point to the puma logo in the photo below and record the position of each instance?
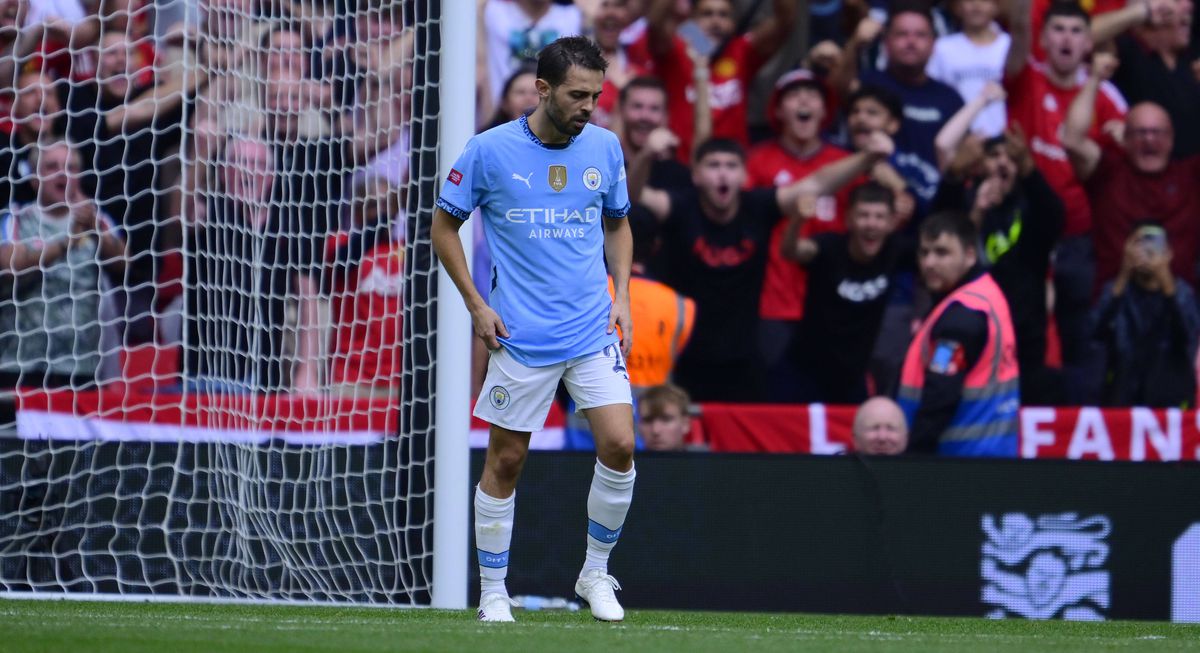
(525, 179)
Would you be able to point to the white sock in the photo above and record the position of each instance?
(608, 502)
(493, 534)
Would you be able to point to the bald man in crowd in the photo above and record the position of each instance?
(880, 428)
(1132, 178)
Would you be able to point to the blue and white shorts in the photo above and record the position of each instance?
(518, 398)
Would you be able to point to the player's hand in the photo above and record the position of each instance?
(488, 326)
(621, 317)
(1104, 65)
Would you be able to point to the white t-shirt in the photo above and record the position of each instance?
(68, 10)
(967, 67)
(511, 36)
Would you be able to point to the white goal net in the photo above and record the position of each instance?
(216, 301)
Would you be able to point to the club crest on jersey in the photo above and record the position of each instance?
(558, 178)
(499, 397)
(592, 178)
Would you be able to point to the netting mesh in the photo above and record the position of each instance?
(216, 298)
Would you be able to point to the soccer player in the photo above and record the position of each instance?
(552, 193)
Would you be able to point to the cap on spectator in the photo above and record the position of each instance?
(791, 80)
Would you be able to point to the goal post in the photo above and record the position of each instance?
(451, 482)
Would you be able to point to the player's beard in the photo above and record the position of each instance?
(563, 124)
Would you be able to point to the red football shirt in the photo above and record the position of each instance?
(1121, 196)
(786, 282)
(730, 77)
(1040, 107)
(367, 341)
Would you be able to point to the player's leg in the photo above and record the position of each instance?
(495, 507)
(600, 387)
(515, 400)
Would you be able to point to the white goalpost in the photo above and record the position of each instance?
(228, 368)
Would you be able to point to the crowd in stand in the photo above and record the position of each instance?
(277, 205)
(778, 191)
(1066, 135)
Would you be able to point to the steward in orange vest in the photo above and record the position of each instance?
(960, 383)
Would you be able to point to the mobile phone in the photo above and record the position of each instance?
(695, 37)
(1154, 242)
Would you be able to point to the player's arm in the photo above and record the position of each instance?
(829, 178)
(768, 36)
(448, 246)
(957, 341)
(618, 252)
(792, 246)
(1083, 152)
(1021, 31)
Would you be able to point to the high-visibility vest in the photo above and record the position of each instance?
(985, 422)
(662, 324)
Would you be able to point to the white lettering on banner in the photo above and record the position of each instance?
(1168, 445)
(818, 437)
(1032, 433)
(1090, 436)
(1185, 576)
(1051, 567)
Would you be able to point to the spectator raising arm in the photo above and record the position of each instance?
(952, 134)
(828, 179)
(769, 35)
(845, 75)
(1110, 25)
(1084, 152)
(792, 246)
(1021, 31)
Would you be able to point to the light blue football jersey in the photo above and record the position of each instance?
(543, 208)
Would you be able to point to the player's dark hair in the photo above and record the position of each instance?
(557, 58)
(873, 192)
(1067, 9)
(888, 99)
(955, 223)
(908, 7)
(722, 145)
(641, 82)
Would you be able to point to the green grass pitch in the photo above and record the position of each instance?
(66, 626)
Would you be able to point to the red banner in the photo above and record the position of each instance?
(1078, 433)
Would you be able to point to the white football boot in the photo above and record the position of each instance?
(595, 588)
(496, 607)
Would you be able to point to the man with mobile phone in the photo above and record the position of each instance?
(1131, 176)
(1147, 322)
